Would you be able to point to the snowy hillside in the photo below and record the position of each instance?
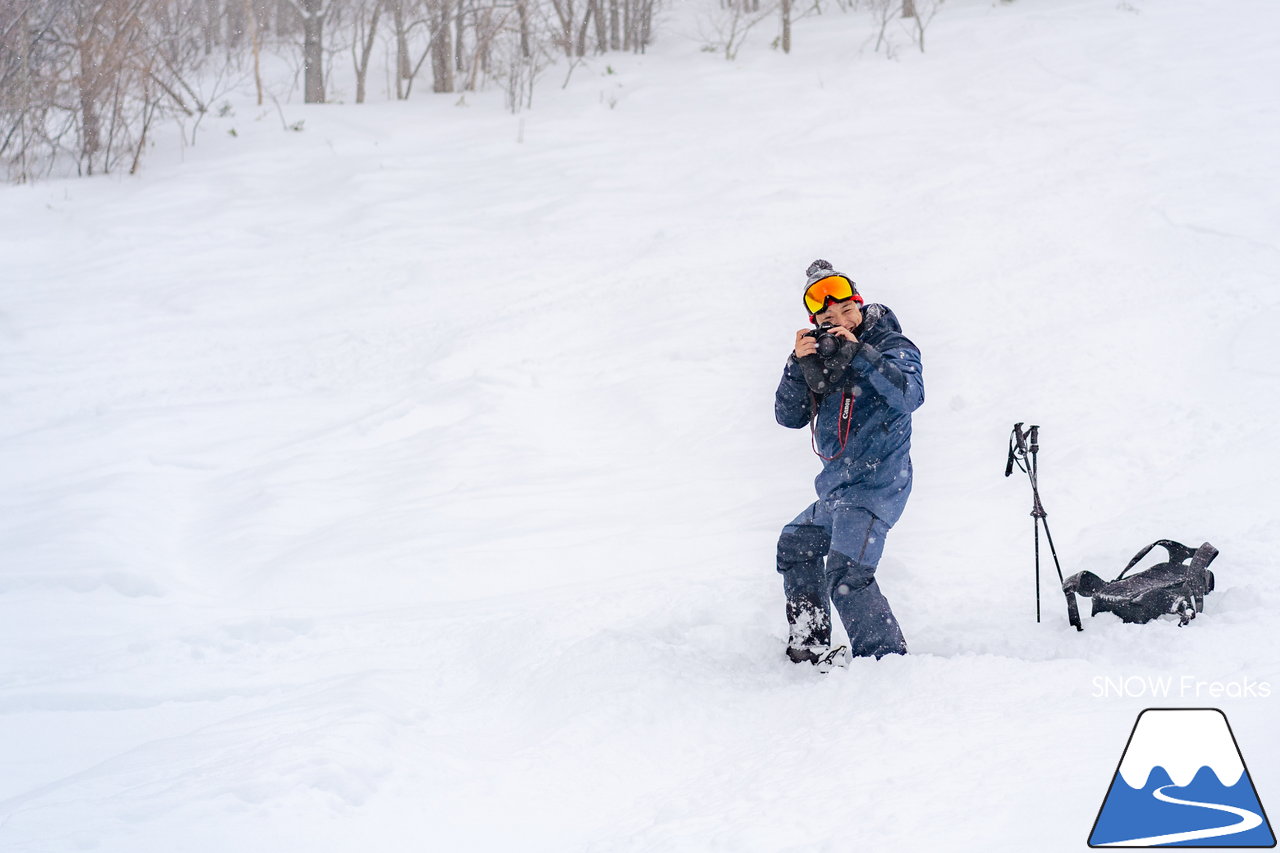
(411, 482)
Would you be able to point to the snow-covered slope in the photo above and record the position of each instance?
(411, 482)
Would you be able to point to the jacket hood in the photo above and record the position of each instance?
(877, 318)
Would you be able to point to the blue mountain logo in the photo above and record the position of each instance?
(1182, 782)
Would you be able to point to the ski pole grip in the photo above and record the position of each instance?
(1015, 447)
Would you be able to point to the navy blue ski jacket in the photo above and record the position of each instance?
(887, 384)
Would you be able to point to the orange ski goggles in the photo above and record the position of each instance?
(833, 288)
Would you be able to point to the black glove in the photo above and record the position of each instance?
(825, 375)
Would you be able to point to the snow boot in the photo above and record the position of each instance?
(823, 659)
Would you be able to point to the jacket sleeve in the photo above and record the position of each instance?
(792, 404)
(894, 372)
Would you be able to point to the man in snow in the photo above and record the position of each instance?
(862, 392)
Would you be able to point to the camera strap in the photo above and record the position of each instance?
(844, 424)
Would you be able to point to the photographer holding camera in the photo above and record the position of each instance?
(854, 381)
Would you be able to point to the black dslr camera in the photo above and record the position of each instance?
(828, 344)
(824, 370)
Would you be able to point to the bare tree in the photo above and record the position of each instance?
(602, 25)
(644, 23)
(313, 12)
(730, 25)
(85, 83)
(519, 72)
(255, 16)
(32, 62)
(566, 17)
(103, 37)
(923, 17)
(365, 15)
(522, 11)
(488, 24)
(441, 45)
(883, 11)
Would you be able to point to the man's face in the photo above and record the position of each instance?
(846, 314)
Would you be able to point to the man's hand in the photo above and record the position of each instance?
(808, 345)
(805, 345)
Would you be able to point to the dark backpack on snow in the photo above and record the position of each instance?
(1174, 587)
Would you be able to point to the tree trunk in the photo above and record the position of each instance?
(404, 67)
(251, 15)
(235, 23)
(458, 50)
(786, 26)
(564, 11)
(484, 43)
(90, 131)
(615, 36)
(312, 51)
(646, 23)
(441, 50)
(602, 27)
(210, 25)
(522, 7)
(366, 49)
(581, 47)
(908, 8)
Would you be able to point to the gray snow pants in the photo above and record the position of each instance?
(849, 541)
